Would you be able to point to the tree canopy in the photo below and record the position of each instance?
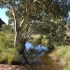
(28, 15)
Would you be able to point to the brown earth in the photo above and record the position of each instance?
(10, 67)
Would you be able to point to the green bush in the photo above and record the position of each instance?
(7, 51)
(9, 55)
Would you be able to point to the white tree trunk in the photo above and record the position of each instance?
(15, 39)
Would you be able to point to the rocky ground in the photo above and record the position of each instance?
(10, 67)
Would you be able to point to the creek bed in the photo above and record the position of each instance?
(45, 63)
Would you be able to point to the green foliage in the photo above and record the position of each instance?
(6, 36)
(5, 41)
(38, 40)
(8, 29)
(8, 55)
(7, 51)
(55, 31)
(39, 12)
(67, 40)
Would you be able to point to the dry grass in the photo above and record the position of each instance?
(63, 53)
(35, 36)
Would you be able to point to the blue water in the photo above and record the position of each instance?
(37, 48)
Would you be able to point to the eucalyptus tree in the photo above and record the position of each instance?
(27, 15)
(19, 12)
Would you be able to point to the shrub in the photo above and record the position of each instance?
(7, 52)
(9, 55)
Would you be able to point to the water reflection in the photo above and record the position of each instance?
(37, 51)
(28, 45)
(38, 48)
(40, 59)
(34, 53)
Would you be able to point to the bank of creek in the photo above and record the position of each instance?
(39, 61)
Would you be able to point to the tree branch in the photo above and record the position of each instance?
(27, 15)
(28, 12)
(51, 8)
(26, 5)
(14, 15)
(24, 29)
(29, 34)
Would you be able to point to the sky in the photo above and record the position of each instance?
(69, 14)
(3, 15)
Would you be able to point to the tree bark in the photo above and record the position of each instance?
(23, 51)
(15, 22)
